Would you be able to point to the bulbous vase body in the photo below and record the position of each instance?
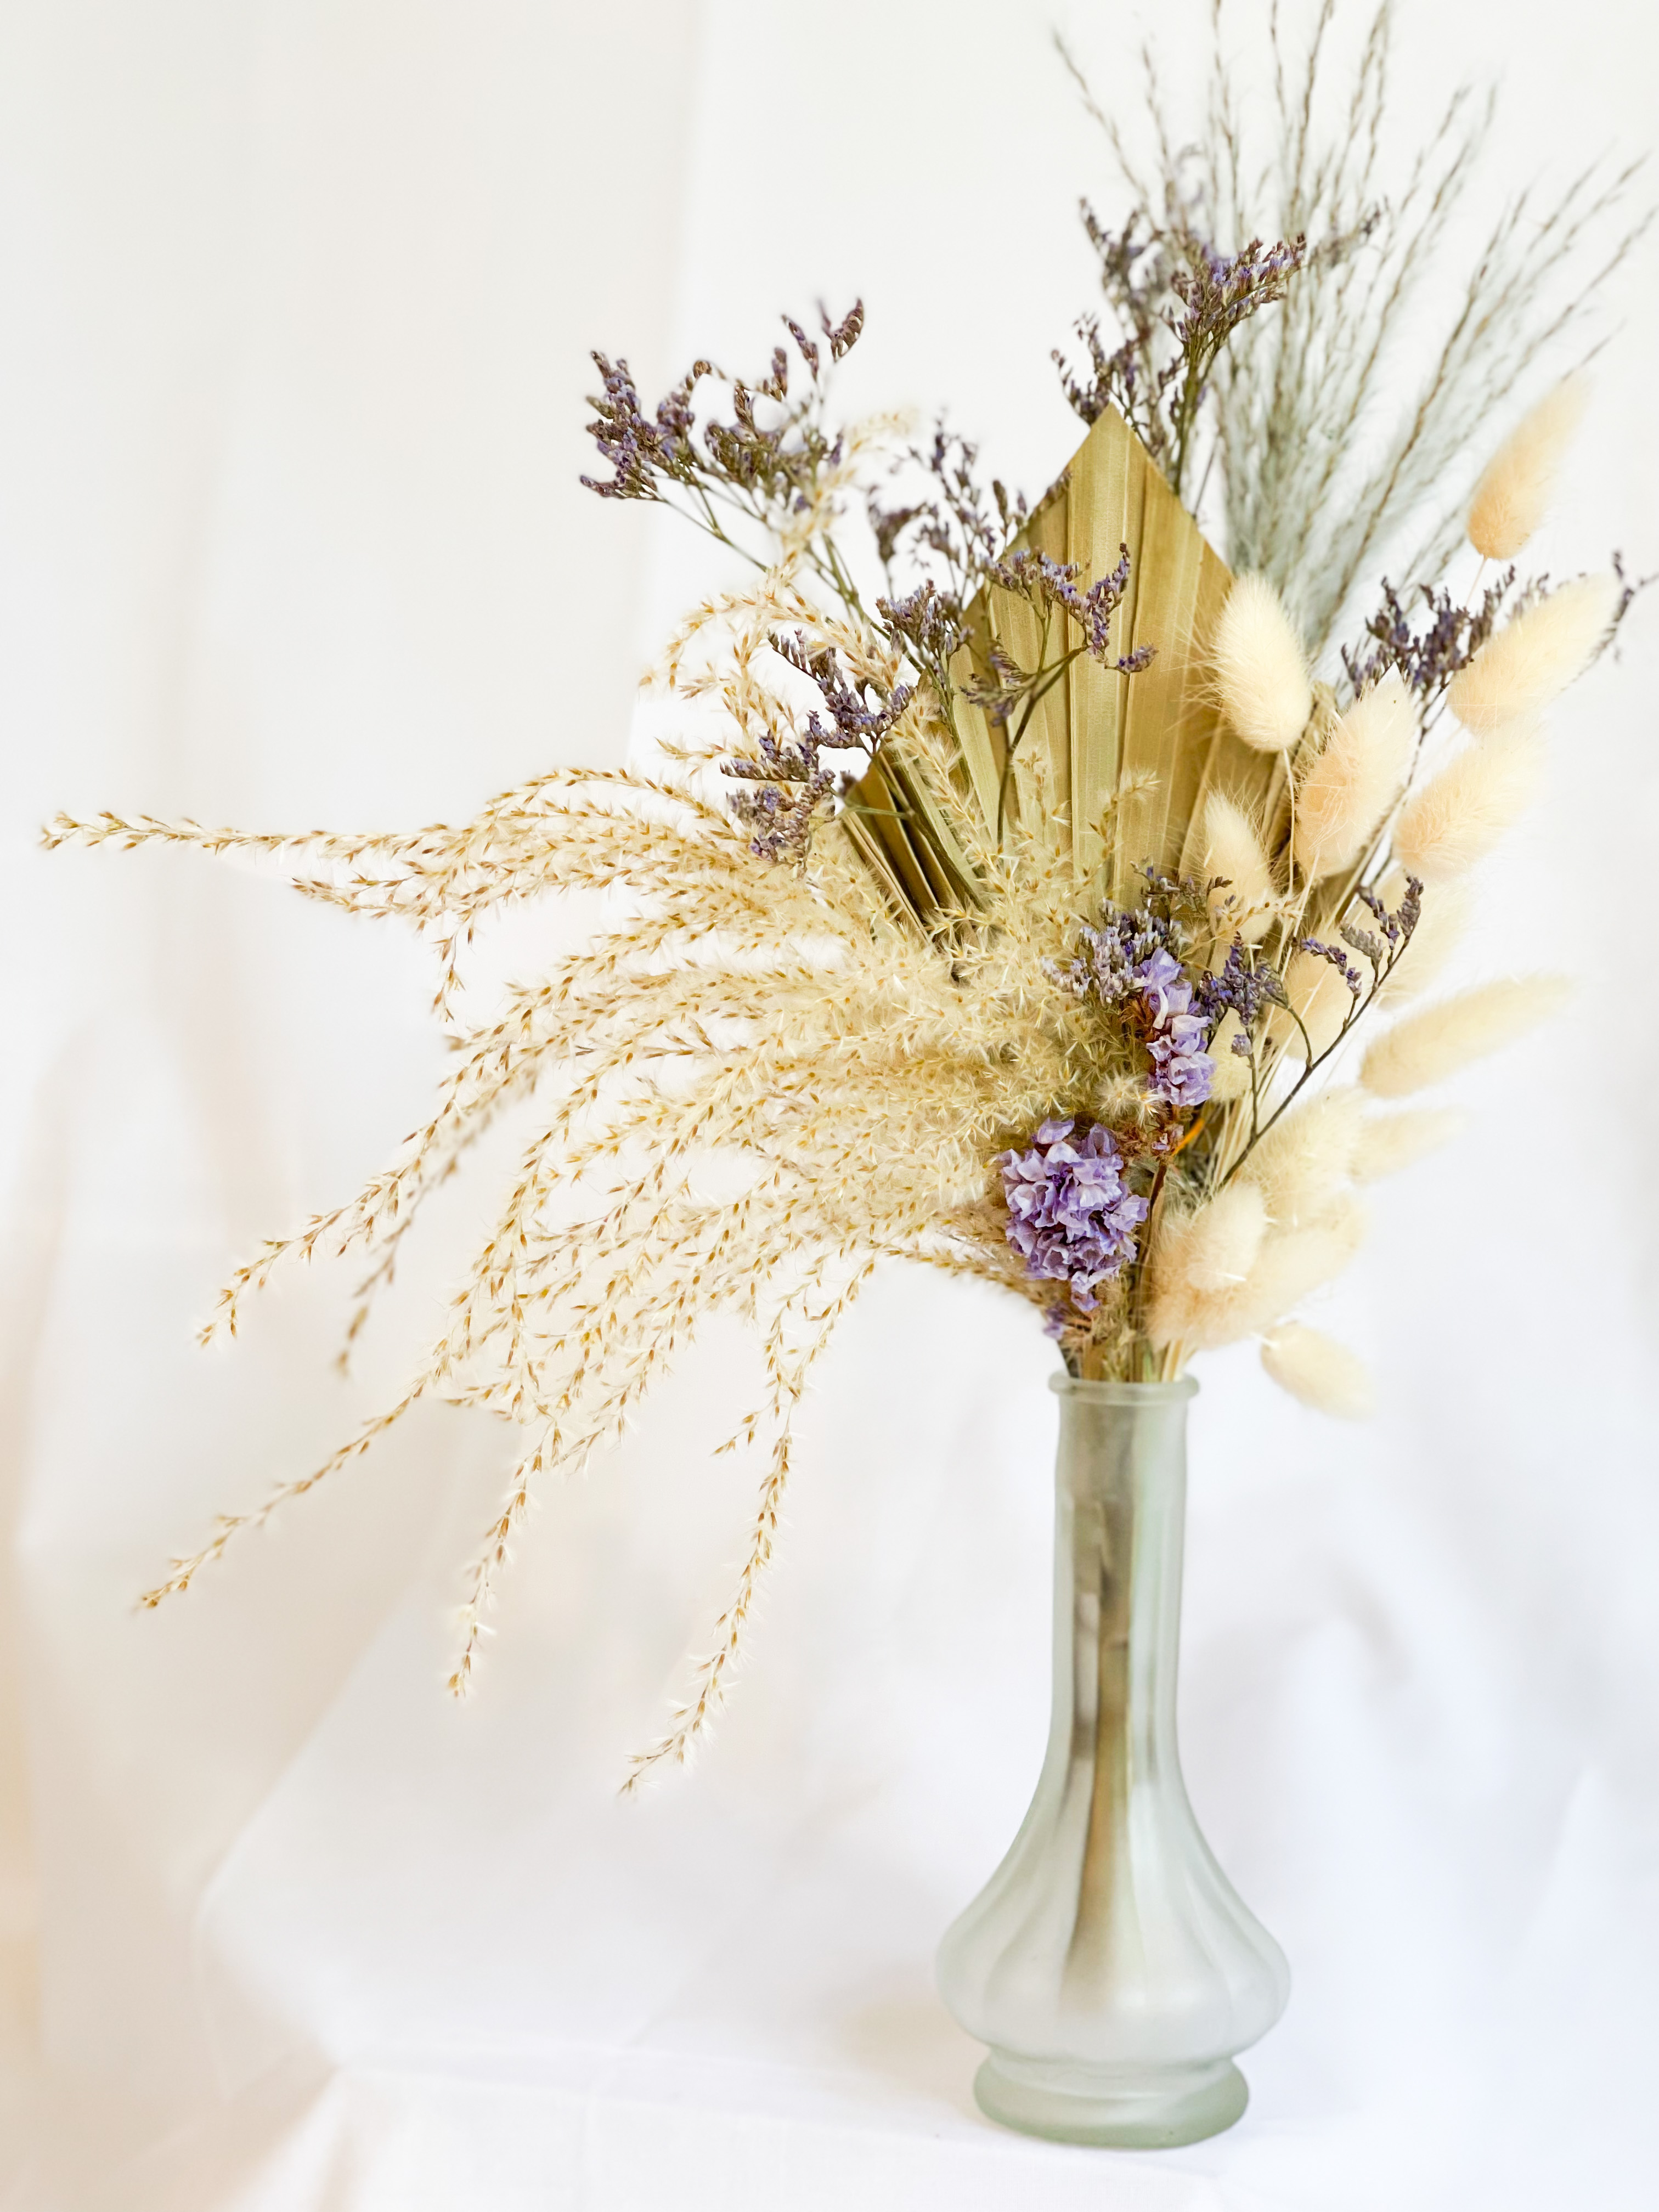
(1108, 1963)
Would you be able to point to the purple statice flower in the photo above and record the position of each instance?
(1069, 1216)
(1241, 987)
(793, 779)
(1182, 1070)
(1061, 586)
(1109, 959)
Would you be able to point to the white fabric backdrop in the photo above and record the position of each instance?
(296, 301)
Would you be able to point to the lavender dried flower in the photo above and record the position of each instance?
(1241, 987)
(953, 527)
(642, 449)
(1109, 967)
(1339, 960)
(1177, 1045)
(760, 469)
(792, 780)
(1427, 656)
(1070, 1218)
(1179, 299)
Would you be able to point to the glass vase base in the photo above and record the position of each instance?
(1122, 2108)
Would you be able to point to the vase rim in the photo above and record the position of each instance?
(1125, 1394)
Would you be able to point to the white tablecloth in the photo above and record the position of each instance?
(295, 308)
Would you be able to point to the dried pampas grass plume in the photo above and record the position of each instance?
(1511, 498)
(1427, 1048)
(1320, 1371)
(1389, 1142)
(1232, 850)
(1262, 671)
(1303, 1161)
(1460, 815)
(1534, 659)
(1439, 931)
(1349, 787)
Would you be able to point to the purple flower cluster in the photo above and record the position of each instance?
(792, 779)
(1057, 586)
(1069, 1216)
(1182, 1070)
(1241, 987)
(1109, 964)
(1427, 659)
(1178, 300)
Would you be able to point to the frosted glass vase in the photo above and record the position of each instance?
(1108, 1963)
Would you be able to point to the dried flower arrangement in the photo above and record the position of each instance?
(1022, 880)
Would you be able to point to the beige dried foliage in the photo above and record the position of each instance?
(1321, 1002)
(1425, 1047)
(1288, 1269)
(1232, 1079)
(1320, 1371)
(1222, 1241)
(1440, 930)
(1352, 782)
(1390, 1142)
(1260, 668)
(1459, 816)
(1534, 658)
(1247, 903)
(781, 1022)
(1302, 1162)
(1514, 491)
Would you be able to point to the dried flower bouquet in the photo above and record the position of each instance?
(1019, 876)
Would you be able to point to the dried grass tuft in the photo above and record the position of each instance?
(1260, 668)
(1459, 815)
(1320, 1371)
(1247, 903)
(1300, 1165)
(1513, 492)
(1223, 1240)
(1350, 783)
(1425, 1047)
(1534, 658)
(1390, 1142)
(1287, 1269)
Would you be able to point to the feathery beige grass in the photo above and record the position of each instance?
(1460, 815)
(1389, 1143)
(1260, 668)
(1223, 1240)
(1288, 1269)
(782, 1022)
(1352, 782)
(1514, 492)
(1301, 1164)
(1320, 1371)
(1534, 658)
(1232, 850)
(1425, 1048)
